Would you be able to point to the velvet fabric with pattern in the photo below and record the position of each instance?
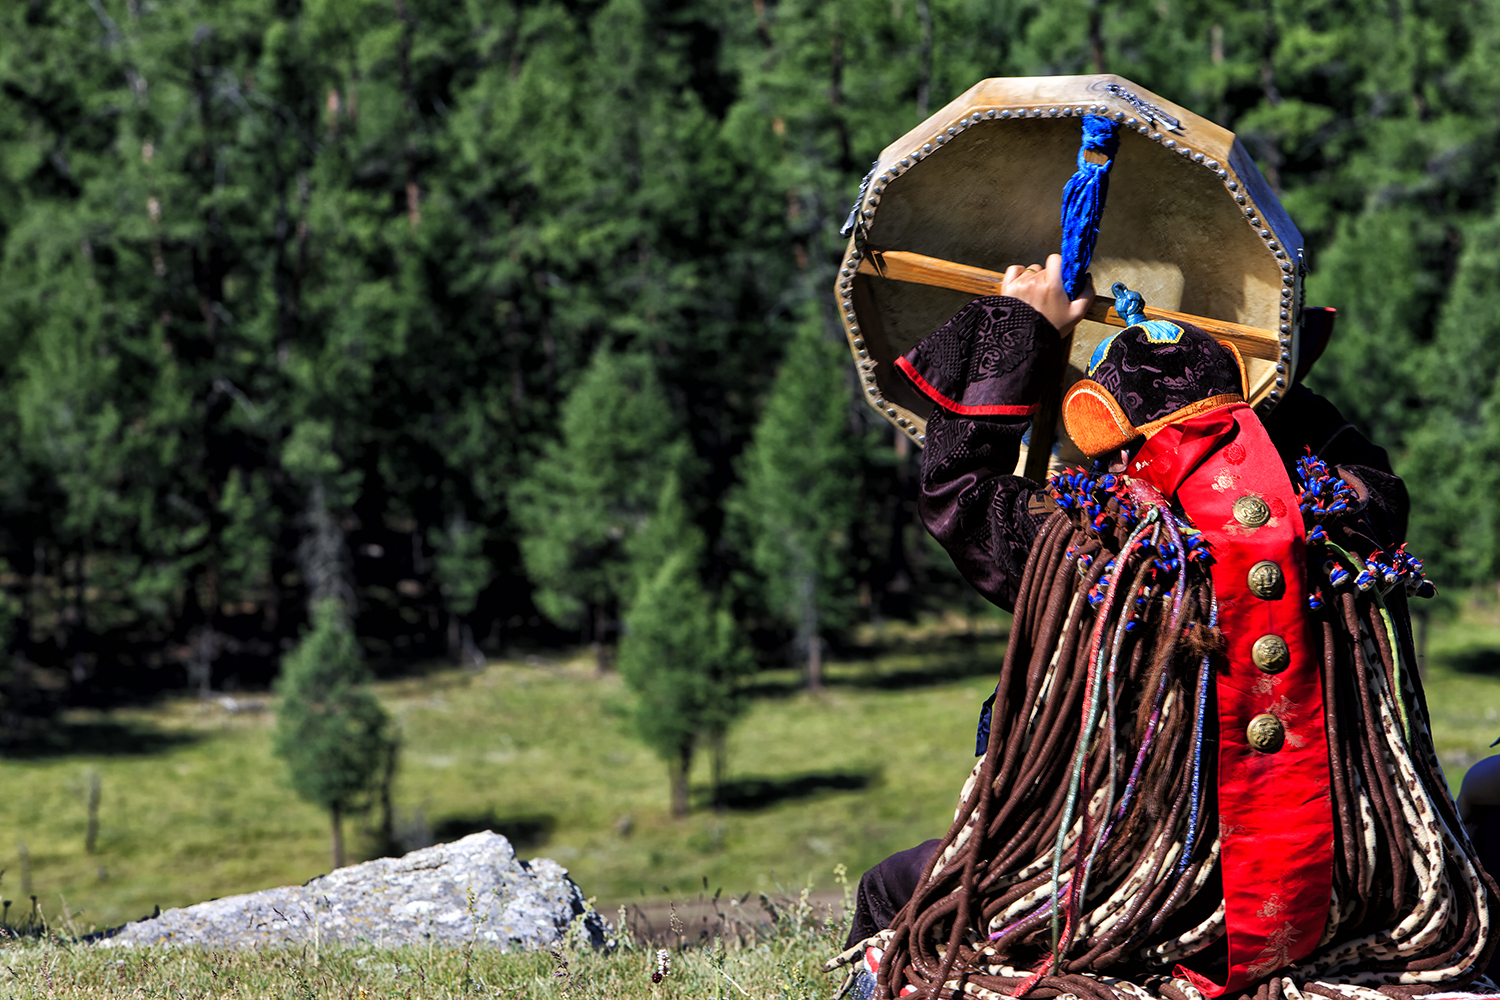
(995, 352)
(984, 518)
(1165, 377)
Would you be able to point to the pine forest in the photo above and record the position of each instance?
(509, 323)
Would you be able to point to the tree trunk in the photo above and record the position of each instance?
(896, 598)
(924, 60)
(815, 663)
(29, 597)
(409, 107)
(762, 29)
(203, 644)
(209, 261)
(808, 636)
(836, 99)
(323, 555)
(1270, 146)
(1096, 35)
(807, 639)
(78, 640)
(473, 656)
(455, 644)
(387, 831)
(1216, 56)
(601, 647)
(680, 768)
(719, 742)
(338, 835)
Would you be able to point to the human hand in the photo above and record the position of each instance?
(1042, 289)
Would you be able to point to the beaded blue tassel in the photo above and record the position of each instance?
(1083, 199)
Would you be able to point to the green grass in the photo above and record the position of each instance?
(1462, 679)
(753, 960)
(194, 806)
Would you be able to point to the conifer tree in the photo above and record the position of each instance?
(681, 654)
(670, 529)
(796, 500)
(593, 488)
(397, 232)
(1453, 452)
(336, 739)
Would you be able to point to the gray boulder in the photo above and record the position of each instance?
(474, 889)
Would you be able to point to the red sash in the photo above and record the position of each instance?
(1275, 815)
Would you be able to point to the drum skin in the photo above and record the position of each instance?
(1189, 222)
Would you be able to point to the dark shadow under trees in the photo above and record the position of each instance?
(38, 739)
(749, 794)
(525, 832)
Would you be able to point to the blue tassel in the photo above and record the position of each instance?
(1083, 200)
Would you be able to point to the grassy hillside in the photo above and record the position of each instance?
(193, 805)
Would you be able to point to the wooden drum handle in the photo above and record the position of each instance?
(902, 265)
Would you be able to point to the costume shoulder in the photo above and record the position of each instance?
(1305, 420)
(1308, 423)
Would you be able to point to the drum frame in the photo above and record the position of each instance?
(1211, 189)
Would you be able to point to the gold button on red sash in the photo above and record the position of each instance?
(1265, 580)
(1270, 654)
(1251, 511)
(1265, 733)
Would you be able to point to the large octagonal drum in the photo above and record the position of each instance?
(1189, 222)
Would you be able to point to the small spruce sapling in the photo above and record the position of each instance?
(334, 736)
(681, 653)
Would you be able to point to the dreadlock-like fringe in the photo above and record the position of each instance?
(1083, 859)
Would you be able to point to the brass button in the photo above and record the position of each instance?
(1265, 733)
(1252, 512)
(1264, 580)
(1270, 654)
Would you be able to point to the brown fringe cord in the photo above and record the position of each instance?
(1144, 909)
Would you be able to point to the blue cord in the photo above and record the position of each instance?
(1083, 199)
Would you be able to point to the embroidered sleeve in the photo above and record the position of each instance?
(985, 517)
(986, 370)
(993, 359)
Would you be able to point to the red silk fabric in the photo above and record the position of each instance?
(1275, 813)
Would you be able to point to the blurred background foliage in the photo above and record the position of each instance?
(419, 303)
